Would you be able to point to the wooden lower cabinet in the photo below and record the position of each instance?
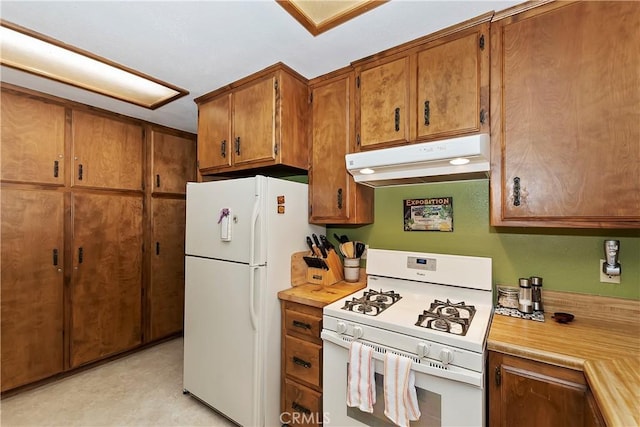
(32, 285)
(301, 389)
(525, 393)
(165, 296)
(106, 296)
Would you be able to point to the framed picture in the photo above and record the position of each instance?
(433, 214)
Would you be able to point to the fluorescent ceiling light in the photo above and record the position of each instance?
(37, 54)
(318, 16)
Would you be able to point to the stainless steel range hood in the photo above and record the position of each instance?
(454, 159)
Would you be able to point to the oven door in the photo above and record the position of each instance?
(443, 401)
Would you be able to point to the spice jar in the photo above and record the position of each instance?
(525, 305)
(536, 293)
(508, 297)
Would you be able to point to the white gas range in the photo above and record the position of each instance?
(434, 309)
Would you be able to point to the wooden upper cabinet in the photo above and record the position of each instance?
(428, 89)
(334, 197)
(32, 136)
(565, 103)
(383, 101)
(106, 291)
(452, 74)
(214, 133)
(107, 153)
(173, 162)
(266, 123)
(254, 122)
(32, 257)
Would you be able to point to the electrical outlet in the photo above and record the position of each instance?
(605, 278)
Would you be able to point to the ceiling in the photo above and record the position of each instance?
(203, 45)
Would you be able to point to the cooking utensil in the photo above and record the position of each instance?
(562, 317)
(341, 239)
(359, 249)
(347, 250)
(323, 252)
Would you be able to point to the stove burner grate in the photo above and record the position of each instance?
(453, 318)
(372, 302)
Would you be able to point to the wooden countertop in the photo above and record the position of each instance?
(319, 295)
(604, 344)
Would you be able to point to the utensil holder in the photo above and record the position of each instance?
(320, 276)
(351, 269)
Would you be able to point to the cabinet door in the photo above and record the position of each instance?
(166, 293)
(448, 95)
(215, 146)
(526, 393)
(384, 103)
(107, 153)
(107, 276)
(254, 122)
(32, 285)
(32, 135)
(334, 197)
(174, 162)
(566, 90)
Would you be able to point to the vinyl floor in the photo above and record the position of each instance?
(142, 389)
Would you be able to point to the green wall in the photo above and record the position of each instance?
(567, 259)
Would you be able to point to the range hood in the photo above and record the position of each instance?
(454, 159)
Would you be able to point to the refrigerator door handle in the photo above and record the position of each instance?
(254, 221)
(252, 297)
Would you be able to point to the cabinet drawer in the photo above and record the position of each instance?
(303, 406)
(302, 324)
(303, 360)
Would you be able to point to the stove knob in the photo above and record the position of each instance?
(446, 356)
(357, 332)
(423, 349)
(341, 327)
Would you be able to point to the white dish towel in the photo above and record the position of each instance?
(400, 399)
(361, 387)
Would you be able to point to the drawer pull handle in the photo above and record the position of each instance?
(299, 324)
(397, 119)
(301, 362)
(299, 408)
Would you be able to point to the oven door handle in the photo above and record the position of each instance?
(426, 367)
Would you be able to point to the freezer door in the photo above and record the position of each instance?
(222, 366)
(222, 216)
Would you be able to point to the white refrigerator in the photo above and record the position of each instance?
(240, 235)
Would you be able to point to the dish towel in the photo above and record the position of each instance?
(400, 399)
(361, 387)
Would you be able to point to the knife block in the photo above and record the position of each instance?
(334, 274)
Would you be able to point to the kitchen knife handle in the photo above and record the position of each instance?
(301, 362)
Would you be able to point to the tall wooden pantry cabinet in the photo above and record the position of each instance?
(78, 221)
